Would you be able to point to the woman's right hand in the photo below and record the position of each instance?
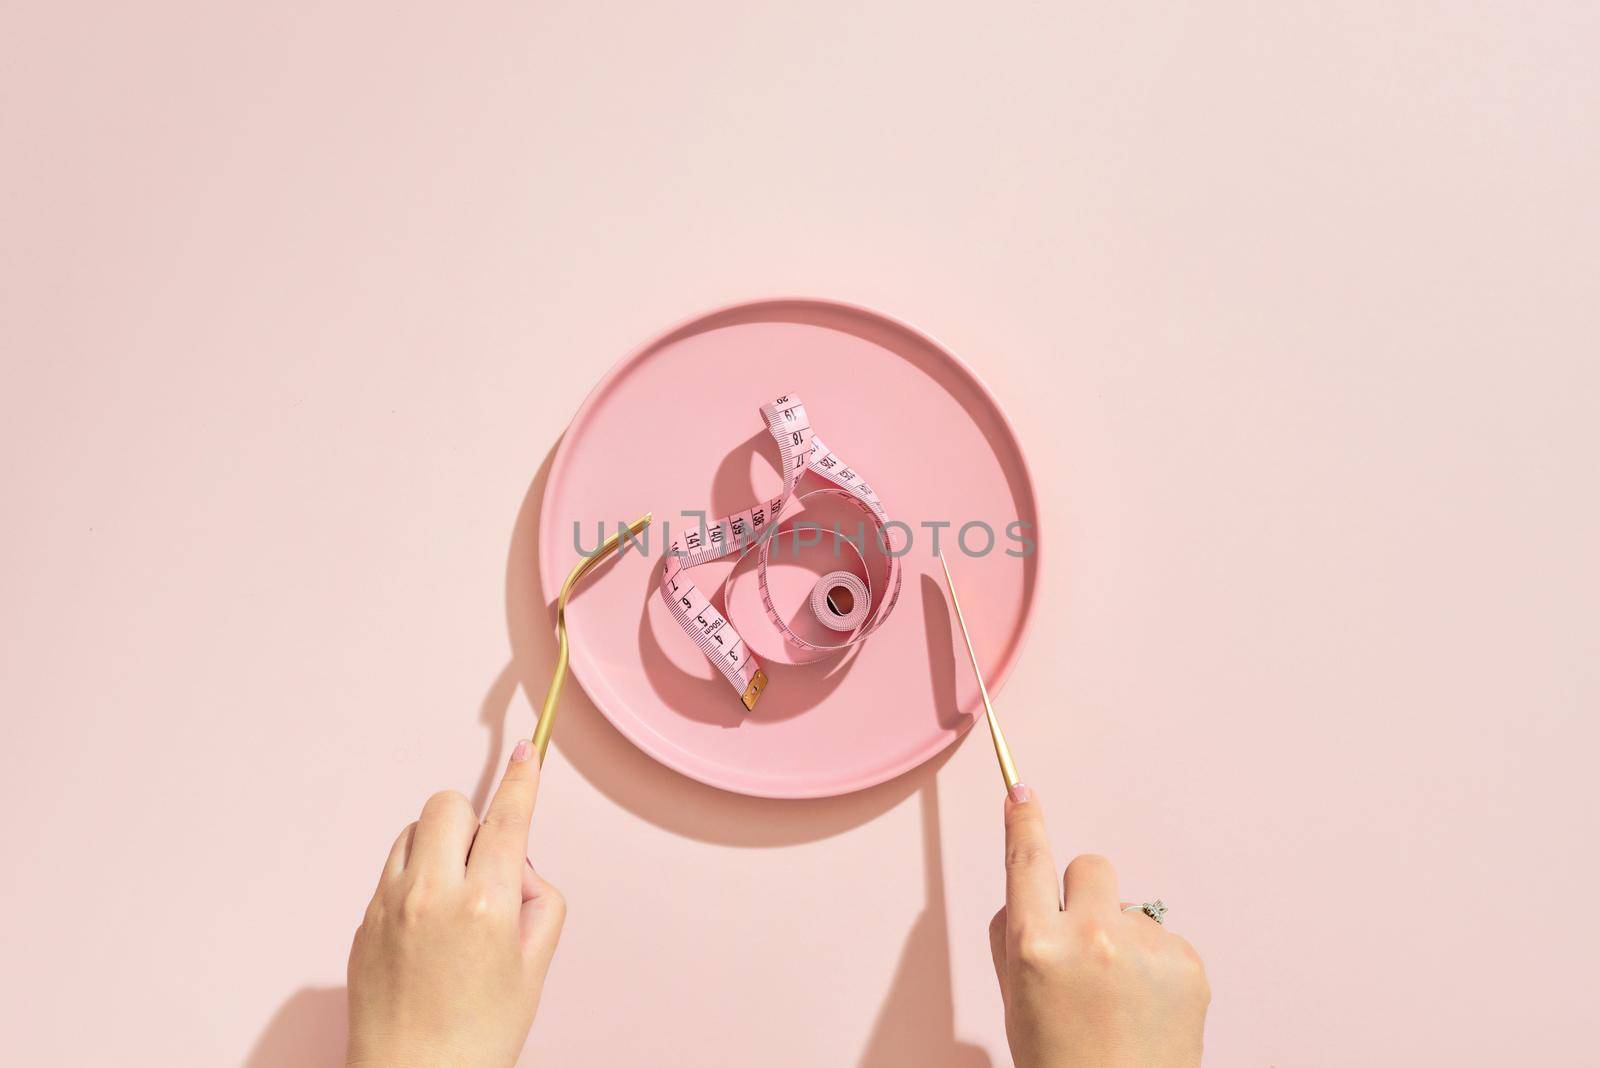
(1085, 983)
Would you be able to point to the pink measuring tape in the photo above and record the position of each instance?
(841, 600)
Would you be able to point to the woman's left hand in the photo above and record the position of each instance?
(448, 964)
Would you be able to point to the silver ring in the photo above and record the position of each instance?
(1156, 910)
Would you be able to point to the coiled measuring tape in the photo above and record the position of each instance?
(754, 529)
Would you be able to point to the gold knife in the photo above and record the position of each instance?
(1008, 767)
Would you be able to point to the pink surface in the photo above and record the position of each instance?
(1292, 306)
(674, 430)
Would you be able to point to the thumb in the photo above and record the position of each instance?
(1031, 886)
(998, 950)
(544, 912)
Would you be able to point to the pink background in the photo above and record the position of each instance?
(1293, 306)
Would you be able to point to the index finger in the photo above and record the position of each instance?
(1030, 869)
(500, 850)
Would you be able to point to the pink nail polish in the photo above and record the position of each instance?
(520, 753)
(1020, 793)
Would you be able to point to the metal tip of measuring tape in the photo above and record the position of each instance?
(752, 692)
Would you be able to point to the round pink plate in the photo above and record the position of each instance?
(674, 429)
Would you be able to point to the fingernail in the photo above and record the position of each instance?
(1020, 793)
(520, 753)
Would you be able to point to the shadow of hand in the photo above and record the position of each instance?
(308, 1031)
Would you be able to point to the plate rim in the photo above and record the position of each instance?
(577, 661)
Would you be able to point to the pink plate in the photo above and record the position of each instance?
(674, 429)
